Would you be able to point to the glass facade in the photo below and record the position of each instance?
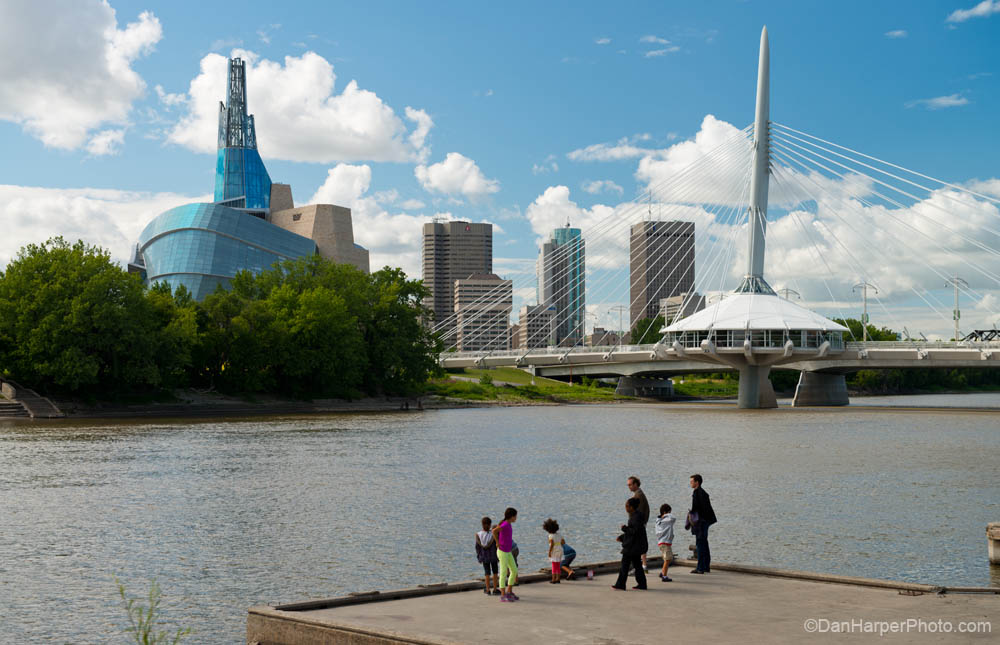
(240, 172)
(204, 245)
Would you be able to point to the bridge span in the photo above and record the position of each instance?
(822, 370)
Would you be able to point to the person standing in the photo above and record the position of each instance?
(633, 485)
(702, 516)
(634, 544)
(503, 534)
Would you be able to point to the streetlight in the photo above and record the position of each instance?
(956, 314)
(621, 309)
(864, 286)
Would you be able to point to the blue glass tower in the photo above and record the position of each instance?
(562, 281)
(241, 180)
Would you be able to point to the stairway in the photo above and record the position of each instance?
(9, 409)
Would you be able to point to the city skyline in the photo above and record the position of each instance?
(520, 139)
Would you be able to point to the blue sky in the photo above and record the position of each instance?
(514, 88)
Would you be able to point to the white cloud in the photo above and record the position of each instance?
(106, 142)
(656, 40)
(984, 9)
(655, 53)
(456, 175)
(111, 219)
(169, 99)
(603, 41)
(896, 33)
(939, 102)
(67, 68)
(411, 204)
(602, 185)
(298, 115)
(624, 148)
(547, 166)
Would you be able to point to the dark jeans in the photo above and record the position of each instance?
(634, 561)
(701, 543)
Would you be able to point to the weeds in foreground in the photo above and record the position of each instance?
(144, 620)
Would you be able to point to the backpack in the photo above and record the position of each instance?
(485, 553)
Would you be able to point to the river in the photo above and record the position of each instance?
(225, 514)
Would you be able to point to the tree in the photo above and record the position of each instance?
(874, 333)
(647, 330)
(71, 320)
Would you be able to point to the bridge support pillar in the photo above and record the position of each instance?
(755, 388)
(820, 389)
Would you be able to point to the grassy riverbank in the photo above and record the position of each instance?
(511, 385)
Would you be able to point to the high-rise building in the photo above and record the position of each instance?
(561, 271)
(536, 326)
(251, 225)
(676, 308)
(661, 265)
(483, 302)
(453, 251)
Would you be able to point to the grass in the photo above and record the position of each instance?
(706, 388)
(544, 390)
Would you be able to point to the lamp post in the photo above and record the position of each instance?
(864, 286)
(621, 309)
(956, 314)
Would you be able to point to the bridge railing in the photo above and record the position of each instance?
(930, 344)
(554, 351)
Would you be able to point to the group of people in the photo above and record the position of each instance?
(497, 551)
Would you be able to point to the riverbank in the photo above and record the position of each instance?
(756, 603)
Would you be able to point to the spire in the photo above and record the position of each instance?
(241, 180)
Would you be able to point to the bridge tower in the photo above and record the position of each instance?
(755, 329)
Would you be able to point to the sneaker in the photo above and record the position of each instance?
(639, 588)
(666, 579)
(512, 597)
(497, 592)
(695, 571)
(617, 588)
(487, 592)
(504, 598)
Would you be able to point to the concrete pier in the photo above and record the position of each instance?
(993, 541)
(820, 389)
(733, 603)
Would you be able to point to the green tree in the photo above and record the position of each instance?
(647, 330)
(71, 320)
(874, 333)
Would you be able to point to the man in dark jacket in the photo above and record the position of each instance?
(633, 485)
(634, 544)
(701, 506)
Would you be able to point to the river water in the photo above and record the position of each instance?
(225, 514)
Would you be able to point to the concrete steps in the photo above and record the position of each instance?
(9, 409)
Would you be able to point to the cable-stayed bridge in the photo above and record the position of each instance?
(836, 215)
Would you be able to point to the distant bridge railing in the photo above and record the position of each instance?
(921, 344)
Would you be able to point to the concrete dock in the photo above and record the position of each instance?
(732, 604)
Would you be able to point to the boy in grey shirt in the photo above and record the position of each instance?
(665, 538)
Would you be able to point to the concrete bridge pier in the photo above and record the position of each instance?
(820, 389)
(755, 387)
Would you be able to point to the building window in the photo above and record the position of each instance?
(296, 217)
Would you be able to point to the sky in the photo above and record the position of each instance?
(519, 114)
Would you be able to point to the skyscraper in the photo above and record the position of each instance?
(661, 265)
(452, 251)
(483, 302)
(561, 273)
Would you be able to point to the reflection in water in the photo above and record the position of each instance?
(229, 513)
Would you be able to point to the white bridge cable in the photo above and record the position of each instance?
(790, 182)
(624, 216)
(598, 232)
(889, 213)
(862, 271)
(892, 165)
(626, 222)
(783, 144)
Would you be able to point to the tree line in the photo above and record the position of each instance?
(73, 322)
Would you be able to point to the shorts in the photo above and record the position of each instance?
(568, 560)
(491, 564)
(668, 553)
(556, 567)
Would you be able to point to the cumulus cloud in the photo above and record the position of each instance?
(939, 102)
(602, 185)
(896, 33)
(457, 175)
(984, 9)
(299, 115)
(67, 69)
(624, 148)
(654, 40)
(106, 142)
(111, 219)
(603, 41)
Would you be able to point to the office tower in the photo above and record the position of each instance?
(561, 272)
(661, 265)
(453, 251)
(483, 302)
(536, 326)
(676, 308)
